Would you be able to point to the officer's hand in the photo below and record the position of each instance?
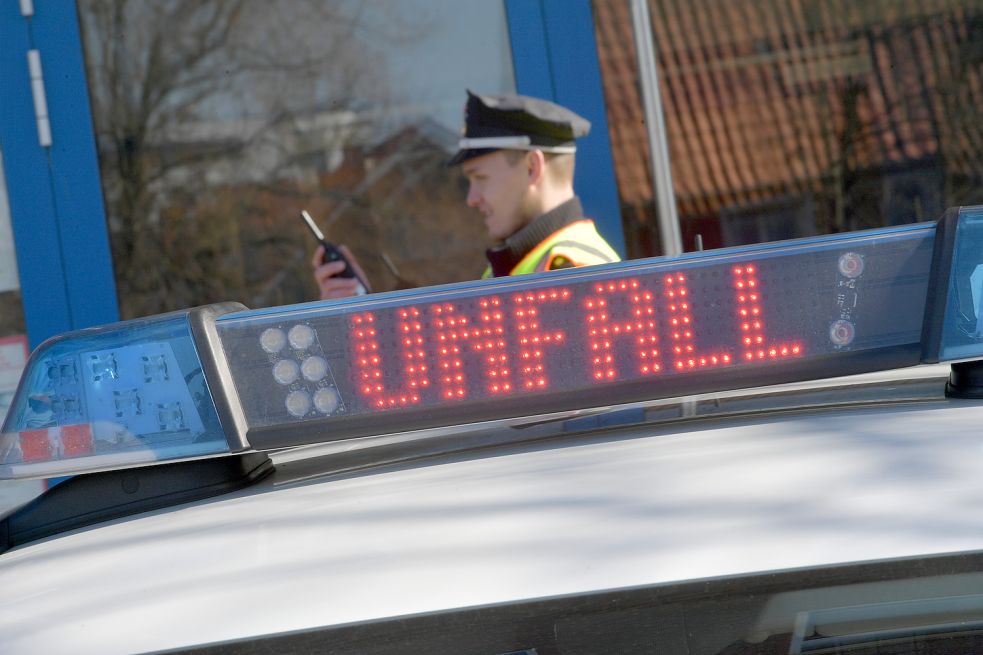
(326, 275)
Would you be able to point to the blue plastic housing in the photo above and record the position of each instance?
(953, 321)
(127, 394)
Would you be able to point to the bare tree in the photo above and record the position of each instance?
(209, 111)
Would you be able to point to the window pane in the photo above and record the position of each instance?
(218, 121)
(13, 344)
(13, 333)
(786, 119)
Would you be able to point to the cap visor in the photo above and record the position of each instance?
(464, 155)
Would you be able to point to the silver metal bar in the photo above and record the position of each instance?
(40, 100)
(648, 73)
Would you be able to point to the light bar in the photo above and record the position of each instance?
(217, 380)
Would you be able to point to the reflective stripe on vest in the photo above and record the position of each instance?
(579, 243)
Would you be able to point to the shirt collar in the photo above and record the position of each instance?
(505, 256)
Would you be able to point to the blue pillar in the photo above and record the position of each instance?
(56, 206)
(555, 57)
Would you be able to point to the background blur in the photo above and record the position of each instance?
(157, 153)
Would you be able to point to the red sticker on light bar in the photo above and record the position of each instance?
(588, 338)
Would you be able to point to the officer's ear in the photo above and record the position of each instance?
(535, 166)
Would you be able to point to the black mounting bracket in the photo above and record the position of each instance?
(965, 380)
(96, 497)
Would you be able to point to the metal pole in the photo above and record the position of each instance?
(648, 73)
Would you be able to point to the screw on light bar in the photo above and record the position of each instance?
(122, 395)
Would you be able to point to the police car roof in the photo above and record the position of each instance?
(639, 506)
(539, 531)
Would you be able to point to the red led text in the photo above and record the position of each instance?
(558, 338)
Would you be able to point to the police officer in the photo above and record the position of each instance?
(518, 155)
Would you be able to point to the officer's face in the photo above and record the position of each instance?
(498, 189)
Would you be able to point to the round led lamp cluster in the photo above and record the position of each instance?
(842, 332)
(312, 368)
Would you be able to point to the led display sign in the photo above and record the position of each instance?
(585, 338)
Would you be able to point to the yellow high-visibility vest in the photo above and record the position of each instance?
(577, 244)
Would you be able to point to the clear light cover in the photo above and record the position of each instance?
(962, 325)
(127, 394)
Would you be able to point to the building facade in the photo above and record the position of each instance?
(156, 155)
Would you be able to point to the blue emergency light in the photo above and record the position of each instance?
(222, 379)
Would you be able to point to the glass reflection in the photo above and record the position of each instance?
(799, 117)
(13, 331)
(13, 346)
(218, 121)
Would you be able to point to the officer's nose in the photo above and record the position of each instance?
(474, 198)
